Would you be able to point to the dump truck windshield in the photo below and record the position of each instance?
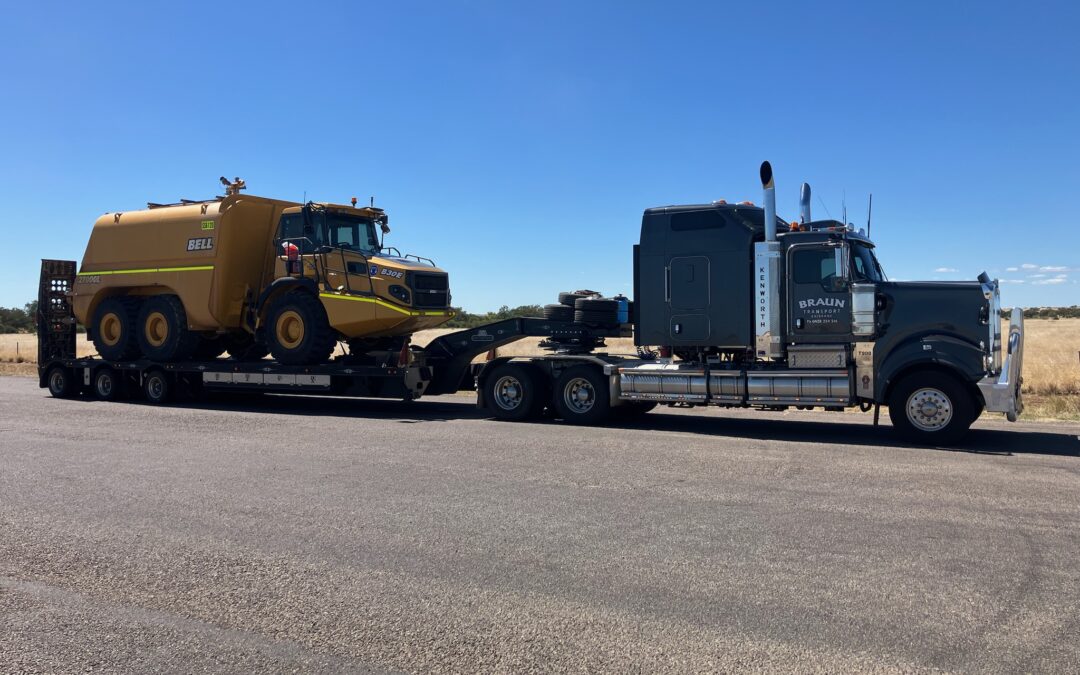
(865, 264)
(351, 232)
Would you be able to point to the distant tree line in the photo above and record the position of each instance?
(463, 319)
(19, 319)
(1071, 312)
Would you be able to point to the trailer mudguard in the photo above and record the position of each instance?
(938, 351)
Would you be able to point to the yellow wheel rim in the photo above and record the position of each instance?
(157, 329)
(111, 329)
(289, 329)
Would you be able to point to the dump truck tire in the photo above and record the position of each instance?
(931, 408)
(163, 330)
(581, 395)
(298, 331)
(114, 328)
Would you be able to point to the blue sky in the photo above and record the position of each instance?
(517, 144)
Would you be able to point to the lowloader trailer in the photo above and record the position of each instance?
(732, 307)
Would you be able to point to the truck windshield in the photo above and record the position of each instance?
(865, 265)
(354, 233)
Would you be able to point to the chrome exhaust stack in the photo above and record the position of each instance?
(770, 201)
(768, 340)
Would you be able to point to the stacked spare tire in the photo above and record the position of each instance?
(585, 307)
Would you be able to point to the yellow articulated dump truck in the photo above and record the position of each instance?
(249, 276)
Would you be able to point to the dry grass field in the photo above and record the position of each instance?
(1051, 363)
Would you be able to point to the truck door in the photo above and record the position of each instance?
(688, 296)
(819, 295)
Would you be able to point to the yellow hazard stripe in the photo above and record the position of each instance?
(383, 303)
(148, 270)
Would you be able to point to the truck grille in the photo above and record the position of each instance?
(430, 290)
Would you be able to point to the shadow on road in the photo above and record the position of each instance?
(1052, 441)
(978, 440)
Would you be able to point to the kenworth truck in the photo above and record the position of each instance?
(732, 307)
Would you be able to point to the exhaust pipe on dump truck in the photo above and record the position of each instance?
(768, 340)
(804, 204)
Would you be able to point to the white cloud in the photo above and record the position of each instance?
(1012, 269)
(946, 269)
(1053, 268)
(1061, 276)
(1036, 276)
(1048, 282)
(1029, 266)
(1011, 281)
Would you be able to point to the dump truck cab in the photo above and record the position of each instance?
(371, 294)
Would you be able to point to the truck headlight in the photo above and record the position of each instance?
(400, 292)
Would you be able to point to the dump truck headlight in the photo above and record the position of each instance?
(400, 292)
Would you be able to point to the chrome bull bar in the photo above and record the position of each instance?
(1001, 391)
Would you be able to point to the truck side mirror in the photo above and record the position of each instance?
(843, 268)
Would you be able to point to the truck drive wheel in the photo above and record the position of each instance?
(298, 331)
(515, 392)
(931, 408)
(163, 330)
(582, 395)
(114, 328)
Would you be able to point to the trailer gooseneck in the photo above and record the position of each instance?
(747, 310)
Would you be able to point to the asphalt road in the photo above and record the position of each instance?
(337, 535)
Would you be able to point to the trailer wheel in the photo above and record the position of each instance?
(61, 382)
(163, 330)
(931, 408)
(515, 392)
(298, 330)
(581, 395)
(156, 387)
(114, 328)
(107, 384)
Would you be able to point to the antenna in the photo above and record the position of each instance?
(822, 202)
(869, 211)
(843, 204)
(372, 202)
(305, 196)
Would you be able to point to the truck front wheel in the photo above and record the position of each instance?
(931, 408)
(582, 395)
(298, 331)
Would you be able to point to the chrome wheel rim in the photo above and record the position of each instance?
(57, 381)
(508, 392)
(104, 384)
(579, 395)
(929, 409)
(156, 386)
